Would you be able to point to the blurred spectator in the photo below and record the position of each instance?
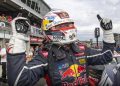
(9, 19)
(3, 18)
(3, 62)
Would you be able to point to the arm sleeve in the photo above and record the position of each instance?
(21, 73)
(96, 57)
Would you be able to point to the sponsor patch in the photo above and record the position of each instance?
(82, 61)
(51, 18)
(73, 71)
(62, 66)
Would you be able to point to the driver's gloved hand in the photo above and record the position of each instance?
(106, 25)
(20, 35)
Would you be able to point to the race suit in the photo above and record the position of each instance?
(65, 67)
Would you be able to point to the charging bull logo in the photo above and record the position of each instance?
(73, 71)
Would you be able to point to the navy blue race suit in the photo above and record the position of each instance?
(65, 67)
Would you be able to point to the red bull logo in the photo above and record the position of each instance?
(73, 71)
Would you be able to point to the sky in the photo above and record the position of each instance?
(84, 14)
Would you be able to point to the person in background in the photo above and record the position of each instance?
(9, 19)
(4, 62)
(3, 18)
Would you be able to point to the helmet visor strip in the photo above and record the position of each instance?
(63, 26)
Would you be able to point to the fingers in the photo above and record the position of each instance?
(99, 17)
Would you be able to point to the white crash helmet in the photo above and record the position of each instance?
(59, 28)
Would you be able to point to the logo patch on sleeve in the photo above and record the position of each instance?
(82, 61)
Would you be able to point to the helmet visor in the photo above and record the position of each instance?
(63, 26)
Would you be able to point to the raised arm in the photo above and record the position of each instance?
(21, 73)
(96, 57)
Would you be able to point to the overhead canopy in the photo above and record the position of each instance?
(34, 9)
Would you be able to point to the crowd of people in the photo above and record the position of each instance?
(5, 18)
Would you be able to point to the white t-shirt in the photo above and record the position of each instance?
(3, 55)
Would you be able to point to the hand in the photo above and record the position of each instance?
(20, 25)
(106, 24)
(20, 29)
(29, 56)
